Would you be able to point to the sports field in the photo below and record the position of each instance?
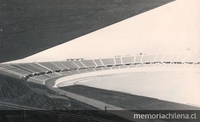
(179, 87)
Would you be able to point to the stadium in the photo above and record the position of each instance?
(73, 79)
(89, 86)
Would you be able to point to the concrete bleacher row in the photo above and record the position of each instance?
(39, 72)
(15, 91)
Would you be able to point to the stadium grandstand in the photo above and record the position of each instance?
(42, 71)
(99, 61)
(40, 85)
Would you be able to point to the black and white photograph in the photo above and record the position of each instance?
(99, 60)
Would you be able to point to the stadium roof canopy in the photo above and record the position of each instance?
(29, 27)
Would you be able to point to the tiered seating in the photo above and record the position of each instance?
(16, 92)
(198, 60)
(138, 59)
(29, 97)
(39, 66)
(192, 57)
(39, 72)
(31, 67)
(79, 64)
(118, 60)
(15, 69)
(69, 65)
(159, 58)
(59, 65)
(169, 58)
(148, 58)
(52, 75)
(108, 61)
(88, 63)
(98, 62)
(23, 68)
(49, 65)
(9, 73)
(180, 58)
(68, 73)
(128, 60)
(38, 80)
